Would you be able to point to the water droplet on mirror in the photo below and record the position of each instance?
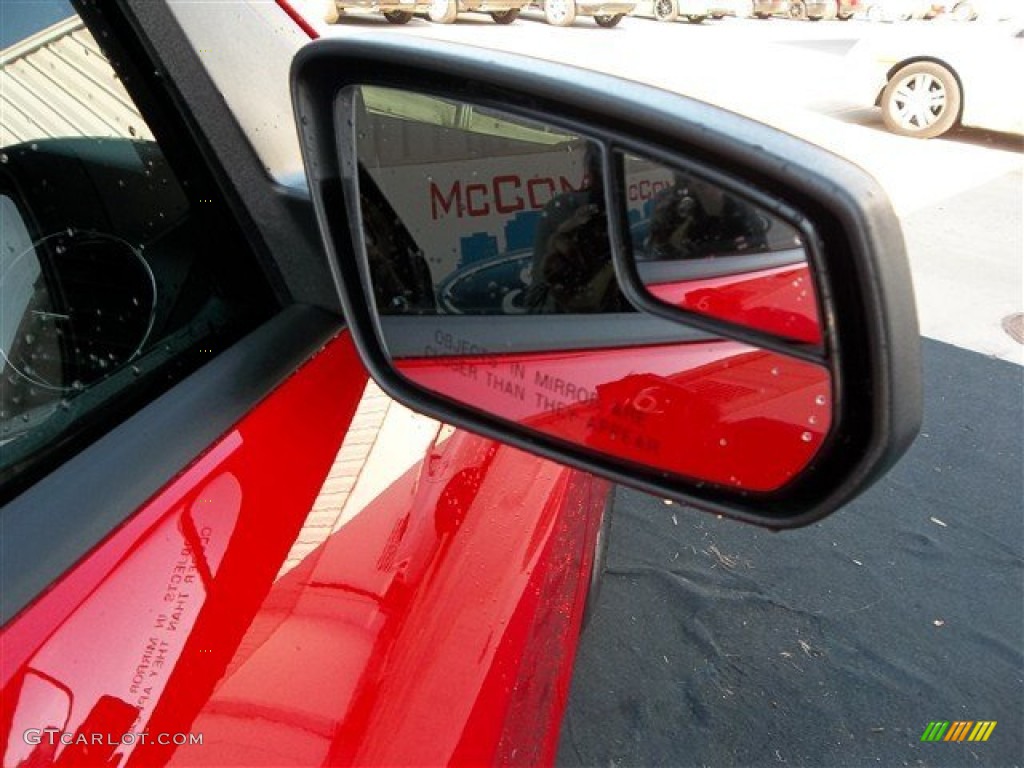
(775, 371)
(77, 385)
(812, 420)
(723, 442)
(29, 338)
(819, 400)
(3, 157)
(807, 437)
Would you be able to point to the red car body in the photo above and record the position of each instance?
(436, 627)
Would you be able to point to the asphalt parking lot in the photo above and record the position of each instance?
(716, 644)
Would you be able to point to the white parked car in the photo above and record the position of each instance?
(694, 11)
(606, 13)
(446, 11)
(929, 79)
(897, 10)
(985, 10)
(741, 9)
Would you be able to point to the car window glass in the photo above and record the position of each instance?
(114, 282)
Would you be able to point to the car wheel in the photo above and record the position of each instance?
(608, 21)
(398, 17)
(762, 15)
(844, 16)
(560, 13)
(505, 17)
(695, 19)
(964, 11)
(717, 16)
(443, 11)
(666, 10)
(798, 10)
(921, 100)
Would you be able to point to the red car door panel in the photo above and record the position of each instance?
(437, 624)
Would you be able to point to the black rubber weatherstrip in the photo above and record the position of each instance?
(50, 526)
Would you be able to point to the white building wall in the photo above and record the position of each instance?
(57, 83)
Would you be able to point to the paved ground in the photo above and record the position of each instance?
(718, 644)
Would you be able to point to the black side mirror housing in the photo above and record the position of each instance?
(625, 280)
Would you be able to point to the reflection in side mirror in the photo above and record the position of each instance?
(700, 247)
(493, 232)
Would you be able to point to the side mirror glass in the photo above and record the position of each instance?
(702, 246)
(656, 315)
(473, 247)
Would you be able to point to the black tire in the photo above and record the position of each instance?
(666, 10)
(717, 16)
(505, 17)
(560, 13)
(798, 10)
(762, 16)
(608, 21)
(696, 19)
(921, 100)
(844, 16)
(443, 11)
(398, 17)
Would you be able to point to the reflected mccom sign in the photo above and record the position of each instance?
(958, 730)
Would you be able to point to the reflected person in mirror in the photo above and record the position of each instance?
(695, 219)
(572, 270)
